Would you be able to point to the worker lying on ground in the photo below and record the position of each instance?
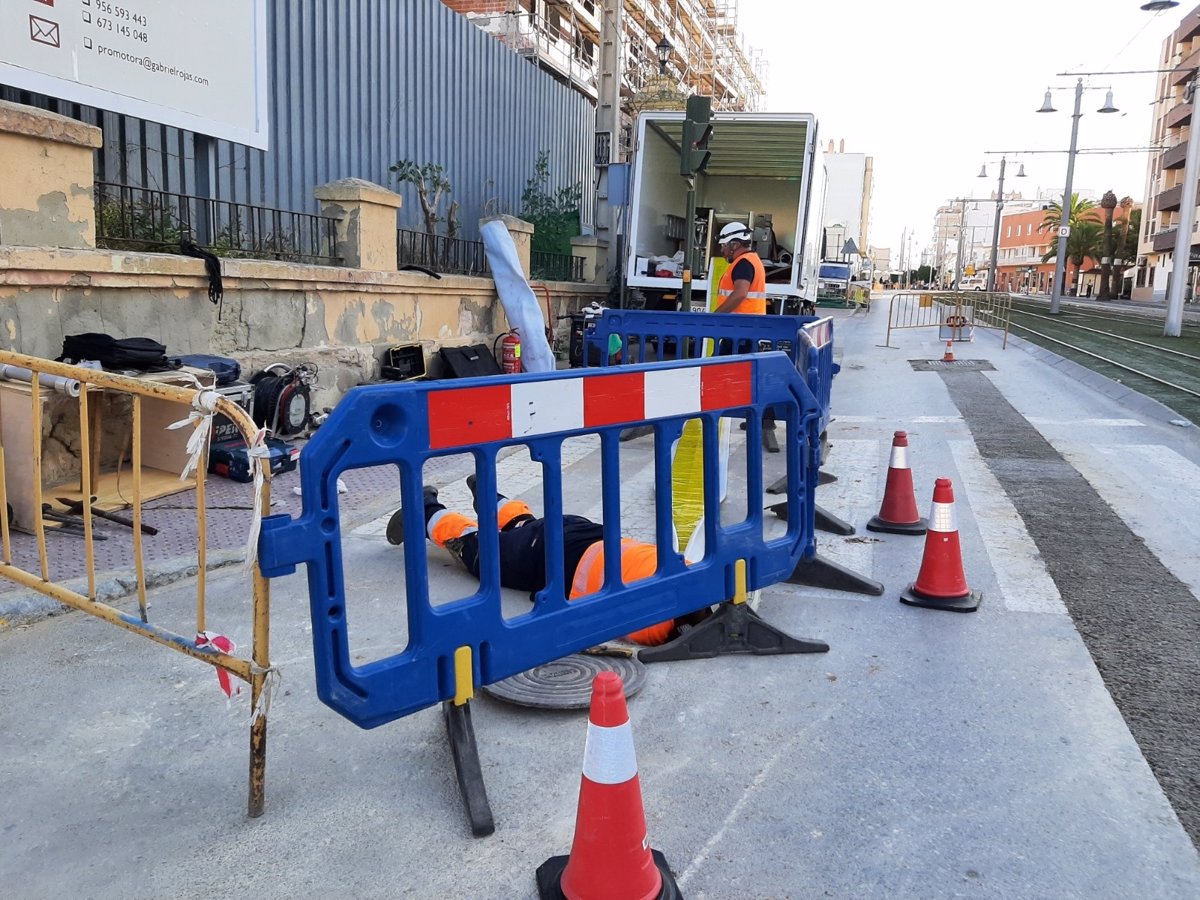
(523, 552)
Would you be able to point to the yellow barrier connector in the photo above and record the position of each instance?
(464, 676)
(739, 582)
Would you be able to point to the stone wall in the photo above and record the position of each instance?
(340, 319)
(54, 283)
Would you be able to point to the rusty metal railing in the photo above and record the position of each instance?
(956, 310)
(31, 378)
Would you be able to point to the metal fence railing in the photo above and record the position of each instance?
(555, 266)
(441, 254)
(955, 313)
(135, 218)
(45, 528)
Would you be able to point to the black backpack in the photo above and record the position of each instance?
(140, 353)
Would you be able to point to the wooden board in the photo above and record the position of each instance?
(114, 491)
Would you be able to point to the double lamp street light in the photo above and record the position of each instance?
(1064, 221)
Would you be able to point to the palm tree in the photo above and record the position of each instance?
(1080, 209)
(1081, 213)
(1129, 229)
(1086, 241)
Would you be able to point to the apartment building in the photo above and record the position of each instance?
(848, 187)
(563, 37)
(1164, 181)
(1022, 244)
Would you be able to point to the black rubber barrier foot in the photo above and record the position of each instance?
(769, 441)
(825, 573)
(637, 431)
(734, 628)
(780, 486)
(918, 527)
(825, 520)
(549, 878)
(466, 766)
(966, 604)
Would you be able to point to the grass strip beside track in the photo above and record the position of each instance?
(1076, 335)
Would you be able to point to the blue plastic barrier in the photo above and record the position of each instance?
(406, 424)
(646, 335)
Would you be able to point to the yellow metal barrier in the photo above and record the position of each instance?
(973, 309)
(197, 402)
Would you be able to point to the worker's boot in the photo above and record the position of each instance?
(509, 513)
(395, 525)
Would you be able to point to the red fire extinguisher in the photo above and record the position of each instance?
(510, 353)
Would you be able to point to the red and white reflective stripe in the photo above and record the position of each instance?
(821, 332)
(608, 756)
(943, 518)
(899, 458)
(462, 417)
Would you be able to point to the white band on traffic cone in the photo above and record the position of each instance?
(943, 518)
(899, 458)
(608, 756)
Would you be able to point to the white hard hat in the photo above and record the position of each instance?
(735, 231)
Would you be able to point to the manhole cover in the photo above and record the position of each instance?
(954, 365)
(566, 683)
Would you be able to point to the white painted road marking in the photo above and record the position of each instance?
(1156, 492)
(1025, 585)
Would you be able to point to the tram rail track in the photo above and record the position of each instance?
(1139, 360)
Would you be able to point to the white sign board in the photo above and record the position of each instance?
(1064, 230)
(199, 66)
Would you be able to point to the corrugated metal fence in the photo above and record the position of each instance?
(357, 85)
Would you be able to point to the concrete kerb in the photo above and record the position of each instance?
(26, 607)
(1114, 390)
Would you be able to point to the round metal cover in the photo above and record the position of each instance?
(566, 683)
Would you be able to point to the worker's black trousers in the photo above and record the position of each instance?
(523, 550)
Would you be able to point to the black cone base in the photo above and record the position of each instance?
(461, 733)
(822, 572)
(733, 628)
(918, 527)
(966, 604)
(549, 878)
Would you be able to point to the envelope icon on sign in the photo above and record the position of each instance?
(44, 31)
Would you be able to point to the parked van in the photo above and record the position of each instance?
(973, 283)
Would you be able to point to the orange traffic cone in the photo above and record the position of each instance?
(941, 583)
(610, 856)
(898, 512)
(948, 356)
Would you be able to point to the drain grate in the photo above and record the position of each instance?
(956, 365)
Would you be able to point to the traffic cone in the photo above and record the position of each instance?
(610, 857)
(898, 512)
(941, 583)
(948, 356)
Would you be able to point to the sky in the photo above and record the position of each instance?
(930, 88)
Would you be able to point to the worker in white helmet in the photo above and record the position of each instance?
(743, 287)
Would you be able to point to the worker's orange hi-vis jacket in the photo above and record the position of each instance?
(638, 561)
(755, 301)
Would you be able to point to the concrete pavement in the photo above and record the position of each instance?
(927, 755)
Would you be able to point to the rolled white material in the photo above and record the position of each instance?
(520, 305)
(68, 386)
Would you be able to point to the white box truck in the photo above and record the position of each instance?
(766, 171)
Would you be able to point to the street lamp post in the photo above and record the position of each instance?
(1187, 217)
(991, 285)
(1064, 221)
